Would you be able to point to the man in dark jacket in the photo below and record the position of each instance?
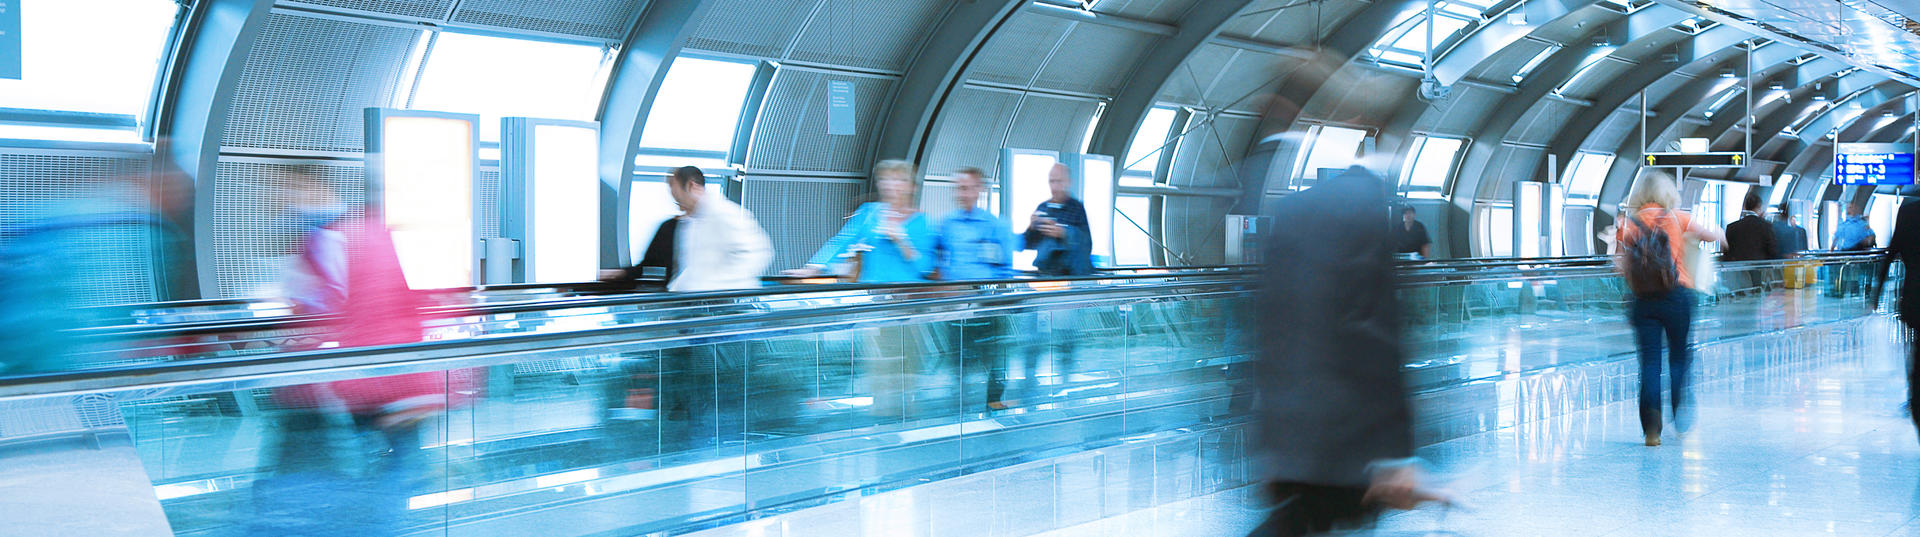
(1792, 239)
(1334, 436)
(1904, 246)
(1059, 233)
(1750, 238)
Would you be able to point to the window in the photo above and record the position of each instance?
(1781, 188)
(1131, 243)
(1707, 206)
(1406, 42)
(1429, 166)
(1731, 202)
(1026, 185)
(497, 77)
(1329, 147)
(648, 205)
(1586, 175)
(1534, 63)
(696, 116)
(1496, 231)
(1143, 155)
(1587, 65)
(87, 69)
(1881, 213)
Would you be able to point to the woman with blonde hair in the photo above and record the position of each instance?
(1651, 239)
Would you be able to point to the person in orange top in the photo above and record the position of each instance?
(1663, 317)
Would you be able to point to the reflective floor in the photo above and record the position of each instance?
(1817, 448)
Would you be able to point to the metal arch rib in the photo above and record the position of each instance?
(192, 116)
(934, 73)
(649, 51)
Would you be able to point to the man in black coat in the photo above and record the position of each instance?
(1334, 439)
(1904, 246)
(1751, 238)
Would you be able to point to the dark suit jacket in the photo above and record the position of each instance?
(1330, 394)
(1751, 238)
(1904, 245)
(659, 252)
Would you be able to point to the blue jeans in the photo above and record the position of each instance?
(1663, 320)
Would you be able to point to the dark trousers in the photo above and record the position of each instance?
(704, 395)
(1663, 320)
(1302, 509)
(1910, 316)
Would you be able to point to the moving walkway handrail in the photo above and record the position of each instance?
(343, 363)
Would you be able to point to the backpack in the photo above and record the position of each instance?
(1650, 267)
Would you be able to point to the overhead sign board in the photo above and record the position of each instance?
(1873, 164)
(11, 53)
(1696, 160)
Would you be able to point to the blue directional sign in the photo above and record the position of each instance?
(1873, 164)
(10, 50)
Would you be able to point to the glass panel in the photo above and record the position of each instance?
(1332, 147)
(1587, 174)
(648, 205)
(1781, 187)
(1433, 166)
(1131, 245)
(497, 77)
(566, 236)
(1880, 216)
(1097, 192)
(88, 57)
(1143, 155)
(1735, 196)
(699, 105)
(1527, 206)
(429, 198)
(1027, 185)
(1500, 231)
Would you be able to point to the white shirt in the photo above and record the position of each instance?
(719, 246)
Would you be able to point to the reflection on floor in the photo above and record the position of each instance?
(1820, 451)
(1815, 448)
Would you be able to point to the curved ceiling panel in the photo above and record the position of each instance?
(1018, 51)
(424, 9)
(604, 19)
(750, 27)
(307, 82)
(791, 133)
(1094, 59)
(1164, 11)
(1301, 24)
(872, 34)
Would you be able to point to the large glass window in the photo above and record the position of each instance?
(1143, 156)
(696, 116)
(1329, 147)
(497, 77)
(1781, 188)
(1585, 175)
(1406, 42)
(87, 68)
(1131, 243)
(1429, 166)
(1496, 231)
(1730, 204)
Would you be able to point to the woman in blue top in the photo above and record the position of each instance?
(897, 242)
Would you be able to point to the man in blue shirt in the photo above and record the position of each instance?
(1853, 234)
(974, 244)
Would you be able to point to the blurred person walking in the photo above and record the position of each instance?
(1791, 239)
(890, 241)
(975, 245)
(1751, 238)
(717, 246)
(1058, 231)
(1334, 439)
(1410, 237)
(1652, 242)
(1904, 246)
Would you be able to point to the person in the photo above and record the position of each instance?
(1904, 246)
(975, 245)
(1791, 239)
(1058, 232)
(1660, 316)
(717, 245)
(1410, 237)
(658, 256)
(1751, 238)
(892, 238)
(1854, 233)
(1334, 435)
(893, 243)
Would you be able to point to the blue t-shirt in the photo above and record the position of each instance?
(1852, 233)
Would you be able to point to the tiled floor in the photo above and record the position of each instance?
(1786, 452)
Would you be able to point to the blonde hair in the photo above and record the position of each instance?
(886, 167)
(1652, 188)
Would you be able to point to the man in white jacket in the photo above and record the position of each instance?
(718, 245)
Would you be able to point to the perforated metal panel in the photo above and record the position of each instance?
(1361, 96)
(1544, 121)
(1095, 59)
(791, 132)
(1660, 89)
(1209, 152)
(1509, 164)
(1462, 112)
(936, 200)
(969, 130)
(34, 186)
(877, 34)
(1017, 51)
(1248, 73)
(252, 234)
(799, 216)
(1304, 22)
(751, 27)
(487, 192)
(1190, 81)
(605, 19)
(1050, 123)
(308, 81)
(1167, 11)
(1616, 129)
(425, 9)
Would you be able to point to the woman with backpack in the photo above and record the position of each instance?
(1651, 241)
